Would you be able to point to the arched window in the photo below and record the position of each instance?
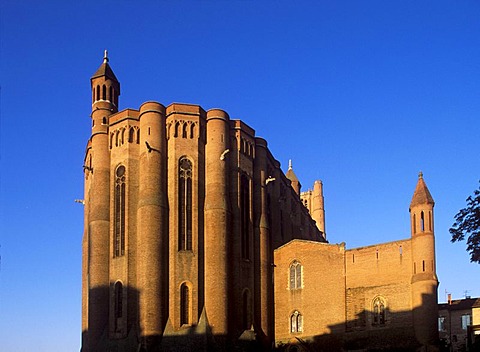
(119, 229)
(184, 304)
(378, 311)
(104, 92)
(422, 221)
(184, 130)
(414, 223)
(118, 309)
(98, 92)
(245, 215)
(177, 127)
(295, 275)
(430, 221)
(131, 133)
(296, 322)
(104, 121)
(246, 322)
(192, 131)
(185, 205)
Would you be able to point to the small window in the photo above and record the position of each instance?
(422, 221)
(466, 321)
(441, 324)
(296, 322)
(295, 275)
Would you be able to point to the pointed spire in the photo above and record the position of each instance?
(422, 194)
(105, 69)
(290, 174)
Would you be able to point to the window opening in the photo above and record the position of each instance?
(119, 229)
(296, 322)
(184, 304)
(245, 215)
(422, 222)
(185, 205)
(118, 309)
(295, 275)
(378, 311)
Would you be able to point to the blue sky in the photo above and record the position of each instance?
(360, 94)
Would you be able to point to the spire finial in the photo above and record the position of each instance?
(420, 175)
(290, 164)
(105, 56)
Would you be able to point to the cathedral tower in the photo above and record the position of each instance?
(424, 278)
(105, 91)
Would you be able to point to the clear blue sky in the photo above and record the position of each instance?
(360, 94)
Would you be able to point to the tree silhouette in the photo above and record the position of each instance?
(467, 222)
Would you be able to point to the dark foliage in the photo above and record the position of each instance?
(467, 223)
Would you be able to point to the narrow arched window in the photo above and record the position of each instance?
(192, 131)
(177, 128)
(295, 275)
(138, 136)
(296, 322)
(118, 309)
(378, 311)
(422, 221)
(131, 133)
(184, 304)
(246, 322)
(98, 92)
(245, 215)
(104, 121)
(430, 221)
(110, 92)
(93, 95)
(104, 92)
(414, 223)
(119, 228)
(184, 130)
(185, 205)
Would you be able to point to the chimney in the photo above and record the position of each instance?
(449, 298)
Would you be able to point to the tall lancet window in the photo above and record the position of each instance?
(119, 230)
(184, 304)
(185, 205)
(245, 215)
(118, 309)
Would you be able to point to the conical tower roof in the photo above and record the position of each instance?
(422, 194)
(105, 69)
(290, 174)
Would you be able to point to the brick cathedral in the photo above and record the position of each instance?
(194, 239)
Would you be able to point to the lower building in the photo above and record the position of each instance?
(194, 239)
(459, 324)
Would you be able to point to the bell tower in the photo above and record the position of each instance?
(424, 277)
(96, 257)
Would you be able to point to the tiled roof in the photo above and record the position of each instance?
(422, 194)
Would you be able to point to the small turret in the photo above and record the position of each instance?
(105, 93)
(293, 178)
(424, 277)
